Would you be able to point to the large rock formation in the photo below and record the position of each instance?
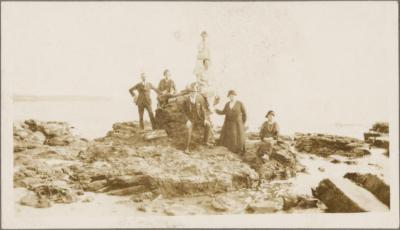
(378, 136)
(171, 118)
(33, 134)
(126, 162)
(326, 145)
(142, 164)
(373, 184)
(272, 160)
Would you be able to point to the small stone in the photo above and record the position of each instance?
(335, 161)
(142, 208)
(88, 199)
(265, 206)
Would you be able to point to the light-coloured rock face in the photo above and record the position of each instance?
(326, 145)
(126, 162)
(34, 134)
(334, 199)
(373, 184)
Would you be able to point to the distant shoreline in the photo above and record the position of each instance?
(36, 98)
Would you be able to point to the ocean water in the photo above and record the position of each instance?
(93, 118)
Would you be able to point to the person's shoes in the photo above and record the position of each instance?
(187, 151)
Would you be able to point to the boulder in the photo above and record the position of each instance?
(381, 127)
(265, 206)
(223, 204)
(55, 193)
(373, 184)
(326, 145)
(155, 134)
(33, 200)
(272, 160)
(171, 118)
(60, 140)
(299, 202)
(28, 140)
(34, 134)
(50, 128)
(334, 199)
(178, 209)
(378, 136)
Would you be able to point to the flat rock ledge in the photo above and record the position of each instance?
(326, 145)
(334, 199)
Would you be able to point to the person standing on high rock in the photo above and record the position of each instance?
(203, 53)
(143, 100)
(205, 78)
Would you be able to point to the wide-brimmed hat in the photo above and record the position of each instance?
(270, 112)
(231, 92)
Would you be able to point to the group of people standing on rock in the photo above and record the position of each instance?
(200, 103)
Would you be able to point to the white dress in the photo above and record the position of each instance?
(203, 52)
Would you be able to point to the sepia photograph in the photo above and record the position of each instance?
(209, 114)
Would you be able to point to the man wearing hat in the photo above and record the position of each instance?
(195, 116)
(143, 100)
(270, 128)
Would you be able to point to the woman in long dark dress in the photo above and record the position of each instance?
(232, 133)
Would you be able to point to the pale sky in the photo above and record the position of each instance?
(308, 61)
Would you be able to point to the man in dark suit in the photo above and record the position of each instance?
(196, 115)
(143, 100)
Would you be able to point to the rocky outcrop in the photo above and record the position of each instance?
(378, 136)
(373, 184)
(272, 160)
(381, 127)
(171, 118)
(334, 199)
(127, 161)
(326, 145)
(34, 134)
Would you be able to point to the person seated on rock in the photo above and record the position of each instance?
(196, 116)
(167, 89)
(269, 129)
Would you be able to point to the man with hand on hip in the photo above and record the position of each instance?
(143, 100)
(196, 115)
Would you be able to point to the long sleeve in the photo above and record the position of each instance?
(244, 114)
(221, 112)
(173, 87)
(154, 88)
(160, 86)
(277, 129)
(135, 87)
(262, 132)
